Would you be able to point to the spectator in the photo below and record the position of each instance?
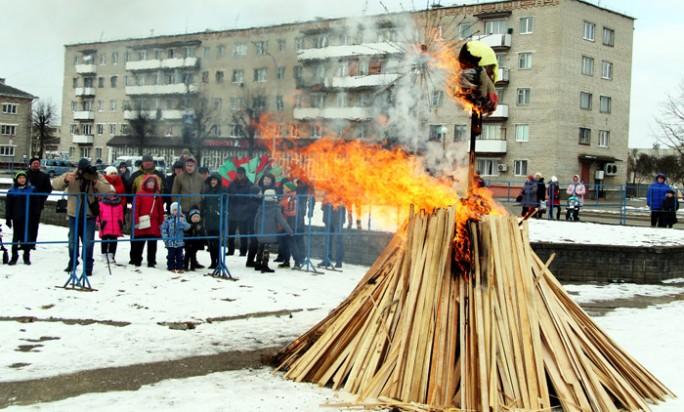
(255, 200)
(146, 168)
(654, 198)
(22, 207)
(168, 184)
(266, 182)
(125, 174)
(287, 246)
(529, 196)
(238, 212)
(306, 202)
(213, 209)
(577, 189)
(269, 215)
(112, 176)
(41, 183)
(189, 184)
(541, 195)
(85, 179)
(333, 218)
(670, 205)
(204, 172)
(554, 198)
(147, 203)
(194, 240)
(172, 231)
(111, 223)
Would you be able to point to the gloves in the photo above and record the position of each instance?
(8, 223)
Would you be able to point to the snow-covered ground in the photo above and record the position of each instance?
(146, 301)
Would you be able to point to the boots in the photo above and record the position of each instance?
(15, 256)
(250, 259)
(27, 257)
(213, 254)
(257, 262)
(111, 258)
(264, 263)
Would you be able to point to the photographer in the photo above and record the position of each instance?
(85, 179)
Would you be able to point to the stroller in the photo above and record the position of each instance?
(5, 255)
(572, 208)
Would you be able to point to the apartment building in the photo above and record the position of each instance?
(563, 83)
(15, 124)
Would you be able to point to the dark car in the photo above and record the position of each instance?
(55, 167)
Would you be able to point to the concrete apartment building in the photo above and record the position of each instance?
(15, 124)
(564, 86)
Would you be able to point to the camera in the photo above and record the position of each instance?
(89, 172)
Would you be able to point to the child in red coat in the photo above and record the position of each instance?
(147, 202)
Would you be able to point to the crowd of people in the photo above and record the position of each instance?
(537, 199)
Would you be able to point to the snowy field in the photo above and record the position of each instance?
(148, 300)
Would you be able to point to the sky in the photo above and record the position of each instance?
(146, 300)
(32, 40)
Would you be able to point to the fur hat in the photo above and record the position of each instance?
(175, 206)
(270, 195)
(111, 171)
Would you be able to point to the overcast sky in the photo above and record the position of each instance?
(33, 34)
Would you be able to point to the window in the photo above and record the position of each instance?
(157, 54)
(488, 167)
(435, 133)
(100, 82)
(343, 69)
(188, 52)
(124, 129)
(98, 153)
(298, 101)
(239, 49)
(608, 37)
(585, 100)
(520, 167)
(234, 130)
(236, 103)
(220, 51)
(465, 30)
(102, 58)
(318, 100)
(522, 132)
(524, 61)
(87, 129)
(100, 105)
(523, 97)
(74, 106)
(589, 29)
(437, 98)
(261, 48)
(281, 45)
(260, 74)
(495, 26)
(7, 150)
(342, 100)
(85, 151)
(142, 55)
(604, 138)
(112, 129)
(219, 77)
(526, 25)
(115, 57)
(218, 102)
(607, 70)
(113, 80)
(88, 81)
(297, 72)
(460, 131)
(127, 56)
(112, 105)
(492, 132)
(206, 52)
(126, 83)
(205, 77)
(320, 42)
(280, 73)
(126, 105)
(74, 82)
(170, 53)
(8, 129)
(73, 128)
(279, 103)
(584, 136)
(588, 65)
(605, 104)
(238, 76)
(100, 129)
(299, 43)
(75, 60)
(9, 108)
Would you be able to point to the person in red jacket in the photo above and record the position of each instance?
(147, 202)
(112, 176)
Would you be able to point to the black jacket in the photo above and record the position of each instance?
(41, 182)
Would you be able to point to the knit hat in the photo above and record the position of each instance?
(203, 169)
(530, 177)
(147, 158)
(289, 186)
(83, 163)
(123, 164)
(270, 195)
(554, 179)
(175, 206)
(33, 159)
(178, 164)
(190, 160)
(111, 171)
(19, 173)
(193, 212)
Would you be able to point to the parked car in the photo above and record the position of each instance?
(55, 167)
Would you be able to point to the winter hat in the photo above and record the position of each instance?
(174, 206)
(530, 177)
(111, 171)
(193, 212)
(255, 190)
(203, 169)
(19, 173)
(554, 179)
(123, 164)
(147, 158)
(670, 191)
(190, 160)
(83, 163)
(538, 175)
(178, 164)
(270, 195)
(33, 159)
(289, 186)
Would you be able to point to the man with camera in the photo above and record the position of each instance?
(82, 210)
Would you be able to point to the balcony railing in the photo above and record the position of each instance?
(490, 146)
(501, 113)
(503, 75)
(84, 91)
(84, 115)
(156, 64)
(346, 113)
(82, 138)
(85, 68)
(371, 80)
(334, 52)
(496, 41)
(152, 114)
(161, 89)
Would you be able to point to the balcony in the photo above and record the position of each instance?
(335, 52)
(86, 68)
(165, 114)
(176, 63)
(84, 91)
(503, 76)
(343, 113)
(501, 113)
(354, 82)
(82, 138)
(84, 115)
(490, 146)
(161, 89)
(496, 41)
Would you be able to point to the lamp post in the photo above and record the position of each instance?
(443, 133)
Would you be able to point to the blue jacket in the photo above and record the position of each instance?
(172, 230)
(656, 193)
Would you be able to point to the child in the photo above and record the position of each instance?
(111, 221)
(148, 202)
(17, 213)
(573, 208)
(669, 207)
(268, 216)
(193, 244)
(172, 232)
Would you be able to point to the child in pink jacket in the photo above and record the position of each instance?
(111, 222)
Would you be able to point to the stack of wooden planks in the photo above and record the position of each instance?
(415, 335)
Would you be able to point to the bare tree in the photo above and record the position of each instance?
(671, 123)
(143, 126)
(251, 115)
(43, 121)
(205, 124)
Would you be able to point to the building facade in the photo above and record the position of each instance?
(15, 124)
(563, 84)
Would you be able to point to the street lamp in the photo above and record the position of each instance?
(443, 133)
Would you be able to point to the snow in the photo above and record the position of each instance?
(287, 303)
